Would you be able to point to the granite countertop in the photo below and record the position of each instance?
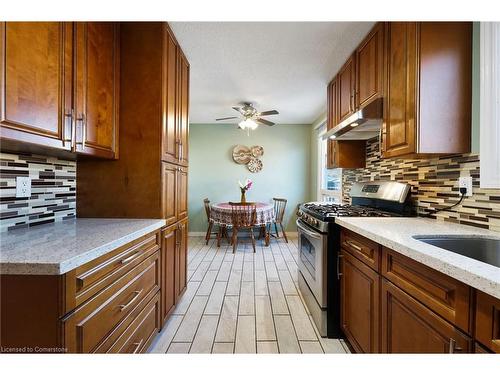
(54, 249)
(397, 234)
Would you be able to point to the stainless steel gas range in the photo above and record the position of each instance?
(319, 245)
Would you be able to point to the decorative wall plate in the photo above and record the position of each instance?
(257, 151)
(241, 154)
(255, 165)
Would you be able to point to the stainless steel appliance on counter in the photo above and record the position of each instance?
(319, 245)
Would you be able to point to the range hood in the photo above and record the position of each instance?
(361, 125)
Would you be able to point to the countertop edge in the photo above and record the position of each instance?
(480, 282)
(61, 268)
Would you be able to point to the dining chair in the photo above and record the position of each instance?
(279, 213)
(243, 216)
(220, 232)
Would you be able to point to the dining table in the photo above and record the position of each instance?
(221, 212)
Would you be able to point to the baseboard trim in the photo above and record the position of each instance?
(202, 234)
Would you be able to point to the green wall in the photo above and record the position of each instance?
(213, 174)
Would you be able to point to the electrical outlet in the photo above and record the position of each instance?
(466, 182)
(23, 187)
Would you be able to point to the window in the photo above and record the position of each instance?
(490, 105)
(329, 180)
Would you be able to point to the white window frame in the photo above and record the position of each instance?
(489, 150)
(321, 166)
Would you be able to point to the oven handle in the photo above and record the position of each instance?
(308, 232)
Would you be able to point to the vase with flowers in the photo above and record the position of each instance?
(244, 188)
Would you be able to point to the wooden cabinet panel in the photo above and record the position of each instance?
(168, 273)
(359, 295)
(369, 67)
(446, 296)
(410, 327)
(97, 88)
(181, 259)
(183, 106)
(170, 134)
(35, 84)
(346, 154)
(169, 192)
(331, 121)
(182, 193)
(399, 129)
(346, 82)
(488, 321)
(362, 248)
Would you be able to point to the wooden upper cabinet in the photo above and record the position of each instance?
(331, 120)
(35, 84)
(183, 107)
(369, 67)
(346, 88)
(422, 117)
(170, 134)
(97, 88)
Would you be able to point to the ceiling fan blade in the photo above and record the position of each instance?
(225, 118)
(268, 113)
(264, 122)
(238, 109)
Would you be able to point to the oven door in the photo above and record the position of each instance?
(312, 260)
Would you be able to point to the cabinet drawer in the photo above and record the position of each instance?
(444, 295)
(138, 333)
(95, 319)
(362, 248)
(87, 280)
(488, 321)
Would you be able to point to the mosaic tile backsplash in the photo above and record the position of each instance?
(53, 190)
(434, 185)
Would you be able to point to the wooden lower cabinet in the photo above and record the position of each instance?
(181, 259)
(488, 321)
(109, 305)
(359, 295)
(410, 327)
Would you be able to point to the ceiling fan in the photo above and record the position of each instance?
(251, 118)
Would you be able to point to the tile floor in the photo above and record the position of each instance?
(242, 303)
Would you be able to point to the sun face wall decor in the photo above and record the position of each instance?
(249, 157)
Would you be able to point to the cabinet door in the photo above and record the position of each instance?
(170, 136)
(169, 192)
(369, 67)
(182, 193)
(359, 304)
(35, 84)
(345, 82)
(399, 129)
(168, 254)
(181, 259)
(97, 88)
(183, 106)
(332, 119)
(410, 327)
(488, 321)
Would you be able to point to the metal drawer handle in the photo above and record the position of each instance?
(453, 346)
(137, 346)
(354, 245)
(338, 266)
(130, 258)
(137, 294)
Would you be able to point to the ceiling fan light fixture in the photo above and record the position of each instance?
(248, 124)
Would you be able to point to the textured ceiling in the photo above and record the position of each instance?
(276, 65)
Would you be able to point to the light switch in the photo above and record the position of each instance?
(23, 187)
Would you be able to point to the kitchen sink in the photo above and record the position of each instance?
(483, 249)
